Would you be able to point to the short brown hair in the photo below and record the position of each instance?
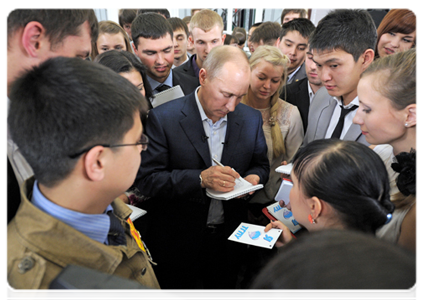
(126, 16)
(302, 12)
(58, 23)
(206, 19)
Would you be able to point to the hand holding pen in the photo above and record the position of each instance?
(219, 178)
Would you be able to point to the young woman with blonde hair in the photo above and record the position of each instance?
(282, 124)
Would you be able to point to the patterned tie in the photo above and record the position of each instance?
(162, 87)
(338, 129)
(116, 234)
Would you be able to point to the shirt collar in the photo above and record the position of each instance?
(95, 226)
(202, 113)
(354, 102)
(154, 84)
(293, 73)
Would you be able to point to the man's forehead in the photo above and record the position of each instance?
(329, 54)
(155, 44)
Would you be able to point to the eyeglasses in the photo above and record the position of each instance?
(143, 141)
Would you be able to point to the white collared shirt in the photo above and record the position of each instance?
(310, 92)
(20, 166)
(215, 133)
(348, 121)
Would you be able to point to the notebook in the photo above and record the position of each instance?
(276, 212)
(167, 95)
(136, 212)
(284, 169)
(242, 187)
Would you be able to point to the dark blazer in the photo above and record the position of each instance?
(187, 69)
(178, 208)
(187, 83)
(321, 110)
(301, 73)
(296, 93)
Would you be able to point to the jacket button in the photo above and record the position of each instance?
(143, 271)
(26, 264)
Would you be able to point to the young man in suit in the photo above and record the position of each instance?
(190, 242)
(301, 92)
(293, 43)
(180, 41)
(78, 124)
(152, 37)
(206, 32)
(341, 57)
(34, 35)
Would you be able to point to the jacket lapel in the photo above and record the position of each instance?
(233, 133)
(194, 130)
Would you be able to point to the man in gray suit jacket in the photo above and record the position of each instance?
(341, 57)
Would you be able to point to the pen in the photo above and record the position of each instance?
(220, 164)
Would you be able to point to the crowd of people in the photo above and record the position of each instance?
(87, 141)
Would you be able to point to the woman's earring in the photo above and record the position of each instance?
(406, 124)
(311, 220)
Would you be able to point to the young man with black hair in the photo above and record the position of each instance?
(153, 44)
(34, 35)
(79, 125)
(341, 56)
(293, 43)
(290, 14)
(265, 34)
(180, 41)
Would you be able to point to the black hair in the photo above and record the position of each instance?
(302, 12)
(150, 26)
(58, 23)
(67, 104)
(304, 26)
(351, 30)
(124, 62)
(256, 24)
(162, 11)
(268, 32)
(349, 176)
(338, 259)
(178, 23)
(126, 16)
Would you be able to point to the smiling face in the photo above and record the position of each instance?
(379, 121)
(338, 72)
(204, 41)
(107, 41)
(221, 94)
(265, 80)
(392, 42)
(294, 45)
(157, 55)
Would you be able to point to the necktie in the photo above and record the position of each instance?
(116, 234)
(162, 87)
(338, 129)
